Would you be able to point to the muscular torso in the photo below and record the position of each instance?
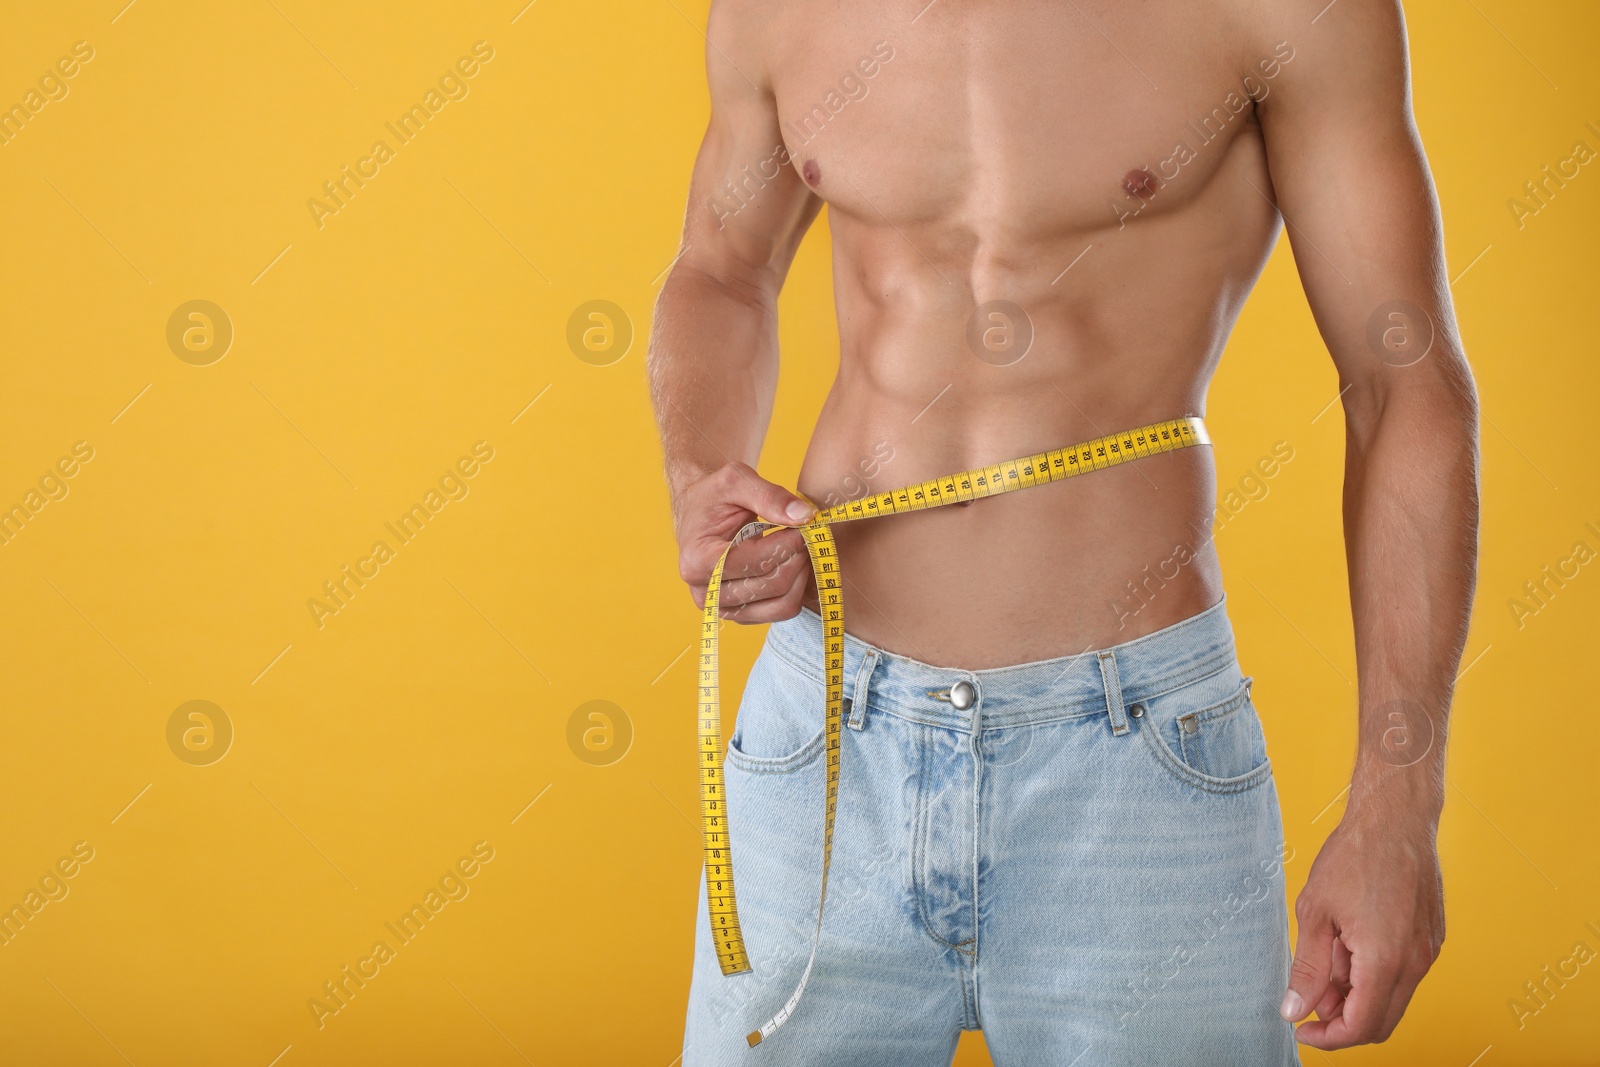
(1045, 217)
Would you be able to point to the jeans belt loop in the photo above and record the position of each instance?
(1113, 686)
(858, 701)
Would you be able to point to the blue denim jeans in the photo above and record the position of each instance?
(1086, 862)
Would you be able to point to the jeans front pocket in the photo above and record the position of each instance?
(1216, 745)
(1224, 740)
(779, 728)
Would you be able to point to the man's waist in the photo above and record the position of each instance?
(1038, 691)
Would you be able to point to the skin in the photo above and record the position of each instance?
(1025, 152)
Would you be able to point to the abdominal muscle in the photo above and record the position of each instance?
(1050, 571)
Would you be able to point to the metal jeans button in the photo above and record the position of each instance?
(963, 695)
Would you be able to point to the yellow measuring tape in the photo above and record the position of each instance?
(1016, 474)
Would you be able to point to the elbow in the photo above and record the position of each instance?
(1456, 394)
(753, 287)
(1435, 398)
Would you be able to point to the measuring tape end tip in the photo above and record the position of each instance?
(754, 1038)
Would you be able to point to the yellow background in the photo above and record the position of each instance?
(369, 354)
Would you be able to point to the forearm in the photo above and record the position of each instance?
(1411, 532)
(713, 366)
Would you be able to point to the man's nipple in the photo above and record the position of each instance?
(811, 173)
(1140, 183)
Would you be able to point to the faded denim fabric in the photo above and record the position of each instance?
(1086, 863)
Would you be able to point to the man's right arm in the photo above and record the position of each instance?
(713, 359)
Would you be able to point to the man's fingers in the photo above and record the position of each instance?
(756, 570)
(754, 558)
(761, 557)
(743, 486)
(777, 582)
(1331, 1005)
(785, 605)
(1395, 989)
(1311, 972)
(1341, 964)
(1378, 995)
(1359, 1022)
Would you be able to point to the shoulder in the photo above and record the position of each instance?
(740, 34)
(1331, 49)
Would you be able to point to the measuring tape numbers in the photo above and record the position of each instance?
(1062, 463)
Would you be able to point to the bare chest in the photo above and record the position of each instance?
(1022, 113)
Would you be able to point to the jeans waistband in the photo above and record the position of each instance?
(1024, 694)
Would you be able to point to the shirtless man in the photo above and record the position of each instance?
(1056, 818)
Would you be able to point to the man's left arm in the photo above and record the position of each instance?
(1351, 181)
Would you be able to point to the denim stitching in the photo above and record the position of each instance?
(860, 705)
(1111, 682)
(969, 1007)
(1212, 664)
(975, 747)
(1193, 778)
(919, 832)
(1188, 682)
(779, 765)
(1221, 708)
(1215, 713)
(919, 883)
